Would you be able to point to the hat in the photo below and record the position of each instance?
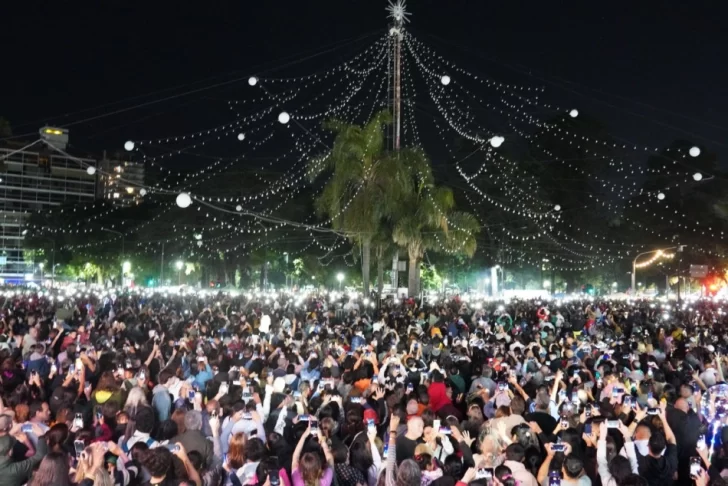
(279, 385)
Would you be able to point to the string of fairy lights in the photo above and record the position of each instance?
(290, 111)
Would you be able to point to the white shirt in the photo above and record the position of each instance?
(265, 323)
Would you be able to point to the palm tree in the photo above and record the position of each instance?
(428, 221)
(367, 181)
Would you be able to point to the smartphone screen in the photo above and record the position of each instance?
(695, 467)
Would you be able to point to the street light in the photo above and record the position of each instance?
(634, 262)
(179, 264)
(40, 265)
(340, 278)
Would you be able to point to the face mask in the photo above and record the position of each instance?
(543, 335)
(643, 448)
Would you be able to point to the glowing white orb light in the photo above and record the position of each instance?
(574, 113)
(445, 80)
(557, 207)
(694, 151)
(252, 80)
(183, 200)
(238, 208)
(698, 176)
(129, 146)
(241, 136)
(284, 117)
(142, 192)
(497, 141)
(90, 170)
(199, 243)
(660, 196)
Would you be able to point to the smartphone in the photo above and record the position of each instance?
(313, 424)
(445, 430)
(627, 401)
(172, 447)
(653, 411)
(78, 446)
(223, 388)
(142, 376)
(385, 450)
(99, 415)
(78, 420)
(502, 386)
(72, 369)
(274, 478)
(27, 428)
(558, 447)
(247, 416)
(588, 428)
(191, 395)
(436, 424)
(564, 424)
(696, 466)
(355, 399)
(303, 418)
(484, 473)
(701, 443)
(588, 411)
(613, 424)
(371, 426)
(617, 391)
(555, 480)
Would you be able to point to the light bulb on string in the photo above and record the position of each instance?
(184, 200)
(697, 177)
(252, 80)
(241, 136)
(284, 117)
(238, 208)
(574, 113)
(445, 80)
(129, 146)
(497, 141)
(557, 207)
(91, 170)
(660, 196)
(142, 192)
(694, 151)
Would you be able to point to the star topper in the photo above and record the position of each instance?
(398, 11)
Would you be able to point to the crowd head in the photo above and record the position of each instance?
(142, 387)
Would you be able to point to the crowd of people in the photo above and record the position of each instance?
(164, 389)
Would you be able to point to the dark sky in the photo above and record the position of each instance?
(653, 70)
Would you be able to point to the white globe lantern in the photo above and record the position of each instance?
(184, 200)
(497, 141)
(129, 146)
(142, 192)
(284, 117)
(241, 136)
(199, 243)
(574, 113)
(660, 196)
(90, 170)
(557, 207)
(445, 80)
(694, 151)
(697, 177)
(252, 80)
(238, 208)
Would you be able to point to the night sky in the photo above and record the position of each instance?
(652, 70)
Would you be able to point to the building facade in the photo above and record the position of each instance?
(120, 181)
(35, 180)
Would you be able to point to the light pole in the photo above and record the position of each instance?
(340, 278)
(121, 280)
(634, 263)
(40, 265)
(285, 254)
(179, 264)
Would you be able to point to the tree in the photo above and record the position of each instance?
(367, 181)
(428, 221)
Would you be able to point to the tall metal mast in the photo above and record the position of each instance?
(398, 14)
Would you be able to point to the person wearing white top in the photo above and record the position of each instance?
(603, 464)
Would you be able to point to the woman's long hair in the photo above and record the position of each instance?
(101, 476)
(135, 401)
(236, 451)
(409, 473)
(53, 470)
(311, 469)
